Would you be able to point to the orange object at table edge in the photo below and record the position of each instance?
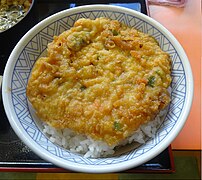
(184, 24)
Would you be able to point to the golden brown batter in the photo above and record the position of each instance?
(100, 78)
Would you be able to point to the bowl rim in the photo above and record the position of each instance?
(85, 168)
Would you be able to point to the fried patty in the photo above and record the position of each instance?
(102, 79)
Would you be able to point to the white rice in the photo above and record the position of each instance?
(90, 148)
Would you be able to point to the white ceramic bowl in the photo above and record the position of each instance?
(34, 43)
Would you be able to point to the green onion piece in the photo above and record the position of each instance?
(115, 33)
(151, 81)
(83, 88)
(117, 126)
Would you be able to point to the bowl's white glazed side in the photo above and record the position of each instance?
(36, 44)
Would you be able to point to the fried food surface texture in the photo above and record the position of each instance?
(102, 79)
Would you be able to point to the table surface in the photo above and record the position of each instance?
(185, 25)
